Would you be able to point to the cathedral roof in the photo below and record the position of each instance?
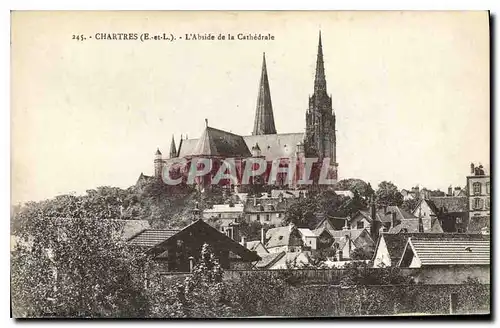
(272, 146)
(275, 146)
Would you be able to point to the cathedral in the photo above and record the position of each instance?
(318, 140)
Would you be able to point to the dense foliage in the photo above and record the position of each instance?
(75, 268)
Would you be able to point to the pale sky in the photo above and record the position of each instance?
(410, 91)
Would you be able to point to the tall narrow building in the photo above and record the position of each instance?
(264, 118)
(320, 139)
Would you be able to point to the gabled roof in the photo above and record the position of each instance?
(280, 236)
(252, 245)
(410, 226)
(449, 251)
(436, 227)
(268, 260)
(149, 237)
(330, 220)
(215, 142)
(396, 243)
(197, 228)
(451, 203)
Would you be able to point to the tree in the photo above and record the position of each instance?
(388, 194)
(410, 204)
(302, 213)
(351, 206)
(75, 268)
(359, 186)
(202, 295)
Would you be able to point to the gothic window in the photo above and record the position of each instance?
(476, 186)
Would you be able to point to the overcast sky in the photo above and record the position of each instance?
(410, 92)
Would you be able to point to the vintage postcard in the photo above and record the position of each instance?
(250, 164)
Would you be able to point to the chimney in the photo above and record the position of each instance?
(472, 168)
(244, 241)
(262, 236)
(450, 191)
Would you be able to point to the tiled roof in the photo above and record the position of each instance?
(410, 225)
(150, 238)
(268, 260)
(280, 236)
(450, 203)
(451, 251)
(396, 242)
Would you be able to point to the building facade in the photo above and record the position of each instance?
(478, 192)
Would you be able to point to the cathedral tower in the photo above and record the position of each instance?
(320, 139)
(264, 118)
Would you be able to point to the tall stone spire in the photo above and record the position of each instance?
(320, 80)
(264, 118)
(173, 150)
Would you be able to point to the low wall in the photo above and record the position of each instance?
(429, 276)
(327, 300)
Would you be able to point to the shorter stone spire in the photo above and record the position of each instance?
(173, 149)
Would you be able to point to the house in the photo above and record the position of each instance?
(331, 223)
(448, 260)
(269, 211)
(287, 239)
(256, 246)
(224, 211)
(276, 193)
(389, 216)
(478, 198)
(283, 260)
(345, 241)
(389, 248)
(310, 238)
(452, 213)
(178, 250)
(449, 211)
(416, 226)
